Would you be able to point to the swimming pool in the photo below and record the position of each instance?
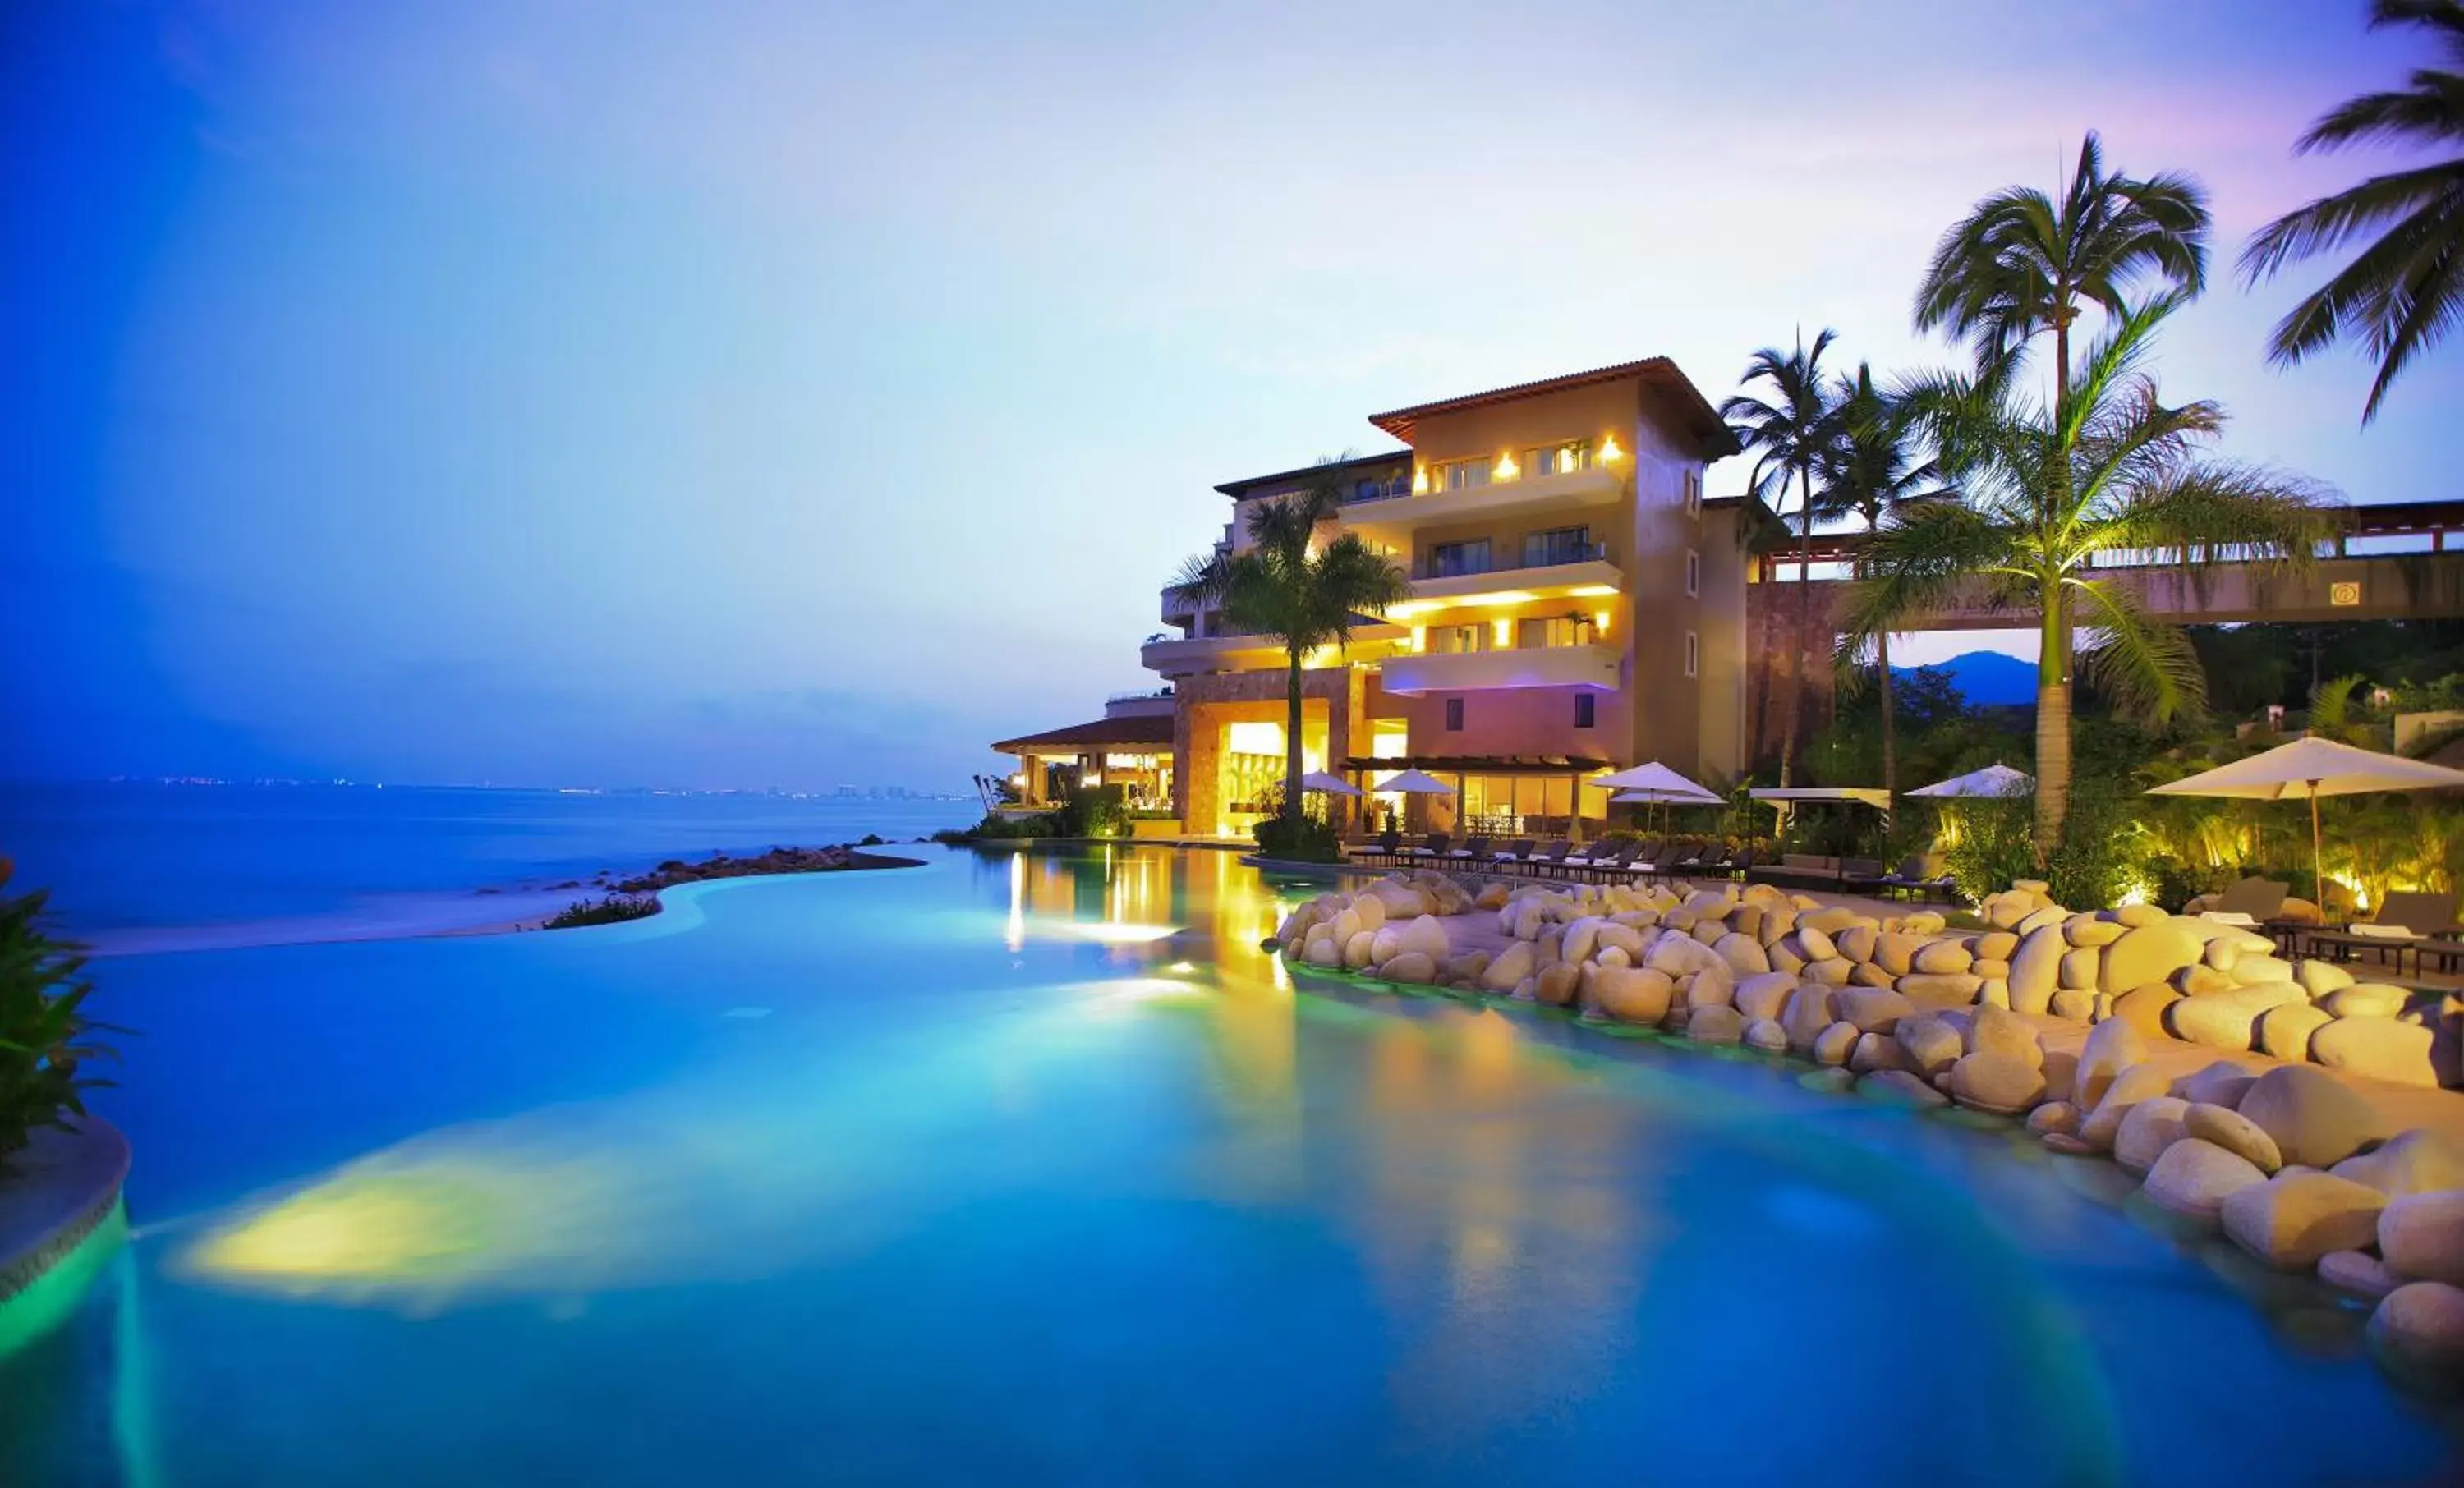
(1034, 1168)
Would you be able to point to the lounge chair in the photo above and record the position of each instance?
(1434, 848)
(1514, 852)
(1741, 863)
(1686, 859)
(1474, 847)
(1610, 860)
(1385, 848)
(1550, 859)
(1863, 875)
(2248, 900)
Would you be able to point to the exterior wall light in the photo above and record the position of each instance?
(1507, 468)
(1610, 453)
(1420, 480)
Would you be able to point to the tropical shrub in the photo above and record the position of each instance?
(1094, 811)
(614, 909)
(1988, 841)
(1298, 838)
(44, 1040)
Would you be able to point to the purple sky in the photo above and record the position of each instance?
(739, 394)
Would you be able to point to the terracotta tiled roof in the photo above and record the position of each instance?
(1137, 728)
(1657, 372)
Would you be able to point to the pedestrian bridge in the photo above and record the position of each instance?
(2400, 560)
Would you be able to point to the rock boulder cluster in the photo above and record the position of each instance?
(2291, 1165)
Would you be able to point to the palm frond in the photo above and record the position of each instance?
(2146, 666)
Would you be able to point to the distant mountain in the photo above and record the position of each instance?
(1988, 679)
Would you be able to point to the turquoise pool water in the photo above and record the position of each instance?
(1035, 1169)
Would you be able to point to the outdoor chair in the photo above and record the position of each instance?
(2422, 924)
(2259, 899)
(1917, 875)
(1475, 847)
(1550, 859)
(1434, 848)
(1613, 863)
(1514, 852)
(2423, 914)
(1741, 863)
(1857, 875)
(1388, 847)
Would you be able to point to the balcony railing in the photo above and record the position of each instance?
(1555, 555)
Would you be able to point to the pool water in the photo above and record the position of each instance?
(1034, 1169)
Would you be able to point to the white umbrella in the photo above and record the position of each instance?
(2312, 768)
(1331, 784)
(1991, 780)
(1656, 781)
(1415, 783)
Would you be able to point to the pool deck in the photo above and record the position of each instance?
(54, 1194)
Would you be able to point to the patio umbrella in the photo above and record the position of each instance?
(1991, 780)
(1661, 783)
(2313, 768)
(1656, 784)
(1414, 782)
(1331, 784)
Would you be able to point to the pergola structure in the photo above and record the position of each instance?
(1132, 751)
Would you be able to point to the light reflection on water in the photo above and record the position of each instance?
(1038, 1165)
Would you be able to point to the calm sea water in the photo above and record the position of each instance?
(1036, 1171)
(120, 856)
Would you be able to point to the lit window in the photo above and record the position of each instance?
(1693, 572)
(1559, 459)
(1454, 715)
(1693, 654)
(1585, 710)
(1459, 475)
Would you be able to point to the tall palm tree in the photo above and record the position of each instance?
(1787, 432)
(2406, 289)
(2049, 487)
(2022, 264)
(1870, 464)
(1302, 592)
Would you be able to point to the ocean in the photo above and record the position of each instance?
(126, 861)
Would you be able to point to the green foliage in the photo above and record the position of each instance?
(2102, 848)
(1298, 838)
(999, 828)
(1992, 841)
(1094, 811)
(2399, 295)
(614, 909)
(44, 1040)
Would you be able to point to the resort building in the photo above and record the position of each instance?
(1577, 607)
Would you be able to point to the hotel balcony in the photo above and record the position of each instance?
(1573, 571)
(1593, 666)
(1392, 520)
(1184, 656)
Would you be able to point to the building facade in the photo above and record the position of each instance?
(1577, 607)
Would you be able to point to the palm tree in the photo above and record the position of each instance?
(1301, 592)
(2047, 488)
(1870, 464)
(2022, 264)
(2406, 289)
(1788, 432)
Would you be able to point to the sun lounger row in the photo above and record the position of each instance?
(1625, 858)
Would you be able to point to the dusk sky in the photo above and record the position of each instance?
(549, 392)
